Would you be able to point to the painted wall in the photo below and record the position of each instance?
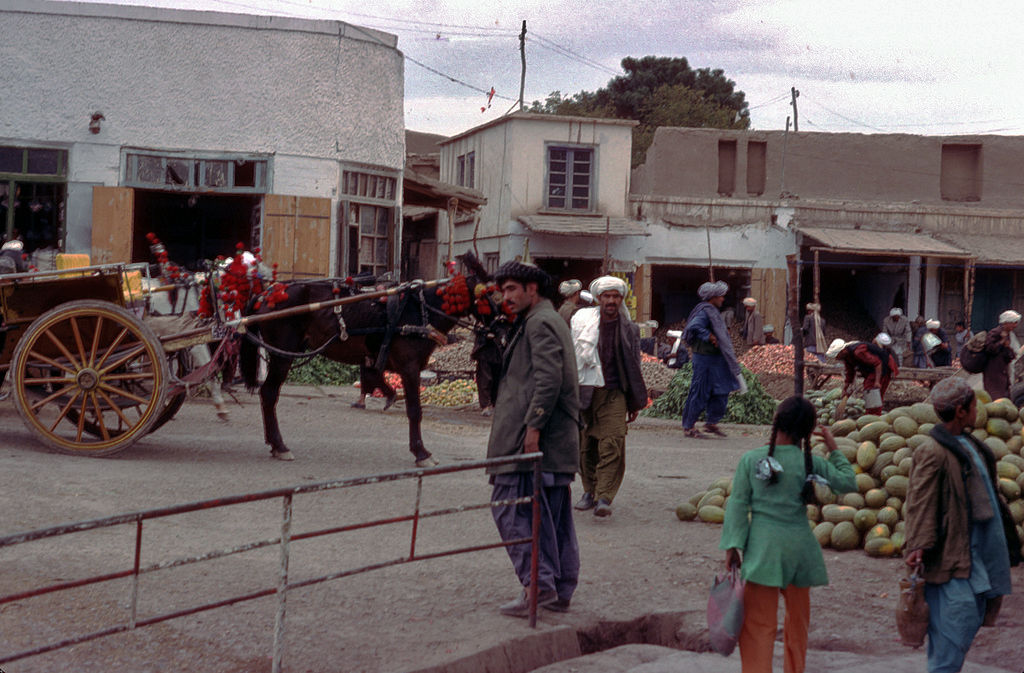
(198, 81)
(843, 166)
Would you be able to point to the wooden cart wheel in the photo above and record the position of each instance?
(89, 378)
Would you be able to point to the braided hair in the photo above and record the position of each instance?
(796, 417)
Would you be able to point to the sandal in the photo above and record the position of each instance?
(694, 433)
(714, 430)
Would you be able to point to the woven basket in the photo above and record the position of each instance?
(912, 611)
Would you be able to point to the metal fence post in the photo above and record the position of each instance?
(282, 583)
(135, 575)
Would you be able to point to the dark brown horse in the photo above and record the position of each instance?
(418, 319)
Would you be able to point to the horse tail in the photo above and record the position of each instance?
(249, 360)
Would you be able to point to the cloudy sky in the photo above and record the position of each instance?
(904, 66)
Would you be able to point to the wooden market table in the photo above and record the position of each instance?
(820, 373)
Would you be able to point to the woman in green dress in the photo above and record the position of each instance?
(766, 530)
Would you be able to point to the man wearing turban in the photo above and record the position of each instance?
(1002, 348)
(874, 361)
(612, 390)
(570, 291)
(753, 324)
(537, 410)
(814, 331)
(716, 372)
(897, 326)
(956, 539)
(942, 354)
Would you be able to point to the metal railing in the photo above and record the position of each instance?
(283, 585)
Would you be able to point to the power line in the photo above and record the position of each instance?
(554, 46)
(842, 116)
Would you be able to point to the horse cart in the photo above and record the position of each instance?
(88, 373)
(91, 372)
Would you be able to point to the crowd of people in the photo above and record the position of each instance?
(570, 384)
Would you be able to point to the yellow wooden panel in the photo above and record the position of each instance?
(113, 210)
(278, 223)
(312, 243)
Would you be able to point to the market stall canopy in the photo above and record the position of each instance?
(1001, 250)
(867, 242)
(583, 225)
(419, 190)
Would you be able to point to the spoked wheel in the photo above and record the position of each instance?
(89, 378)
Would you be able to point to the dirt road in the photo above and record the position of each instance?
(640, 561)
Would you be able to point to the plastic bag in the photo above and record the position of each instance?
(912, 611)
(725, 611)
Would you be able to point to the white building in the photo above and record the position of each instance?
(205, 128)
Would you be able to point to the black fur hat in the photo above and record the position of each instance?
(523, 273)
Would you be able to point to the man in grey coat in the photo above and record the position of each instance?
(537, 410)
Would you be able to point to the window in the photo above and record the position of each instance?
(757, 163)
(726, 167)
(960, 172)
(33, 187)
(570, 178)
(368, 236)
(241, 174)
(467, 170)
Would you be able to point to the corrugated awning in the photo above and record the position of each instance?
(581, 225)
(869, 242)
(1008, 250)
(420, 190)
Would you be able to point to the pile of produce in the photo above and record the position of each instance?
(772, 359)
(323, 372)
(881, 451)
(454, 393)
(454, 357)
(656, 374)
(827, 402)
(754, 407)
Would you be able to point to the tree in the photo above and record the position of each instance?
(658, 91)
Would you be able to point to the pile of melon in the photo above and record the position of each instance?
(881, 448)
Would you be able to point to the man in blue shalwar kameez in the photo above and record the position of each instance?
(716, 372)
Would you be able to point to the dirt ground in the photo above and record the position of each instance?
(639, 561)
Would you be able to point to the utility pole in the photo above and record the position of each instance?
(795, 94)
(782, 175)
(522, 56)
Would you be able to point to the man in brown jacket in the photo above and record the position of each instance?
(955, 533)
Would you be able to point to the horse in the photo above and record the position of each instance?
(415, 320)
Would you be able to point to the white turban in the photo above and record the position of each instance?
(750, 301)
(712, 290)
(586, 296)
(768, 329)
(896, 312)
(13, 244)
(933, 324)
(567, 288)
(883, 339)
(834, 348)
(813, 307)
(1008, 317)
(606, 284)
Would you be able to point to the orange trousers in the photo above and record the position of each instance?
(760, 624)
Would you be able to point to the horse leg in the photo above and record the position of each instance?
(270, 391)
(411, 382)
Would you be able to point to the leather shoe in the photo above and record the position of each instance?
(604, 508)
(520, 607)
(561, 605)
(585, 503)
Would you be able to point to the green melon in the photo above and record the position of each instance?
(1014, 459)
(905, 466)
(885, 436)
(997, 445)
(824, 494)
(897, 413)
(843, 428)
(981, 420)
(905, 452)
(850, 452)
(1017, 511)
(868, 419)
(878, 530)
(895, 503)
(865, 519)
(686, 511)
(925, 428)
(916, 441)
(879, 547)
(892, 443)
(889, 471)
(828, 512)
(715, 497)
(844, 536)
(839, 514)
(866, 454)
(1016, 426)
(711, 514)
(697, 497)
(1010, 489)
(897, 485)
(1008, 409)
(998, 427)
(814, 513)
(823, 533)
(983, 396)
(889, 516)
(1007, 470)
(898, 539)
(905, 426)
(980, 434)
(854, 500)
(923, 412)
(875, 498)
(901, 527)
(872, 431)
(854, 436)
(1014, 444)
(725, 483)
(865, 482)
